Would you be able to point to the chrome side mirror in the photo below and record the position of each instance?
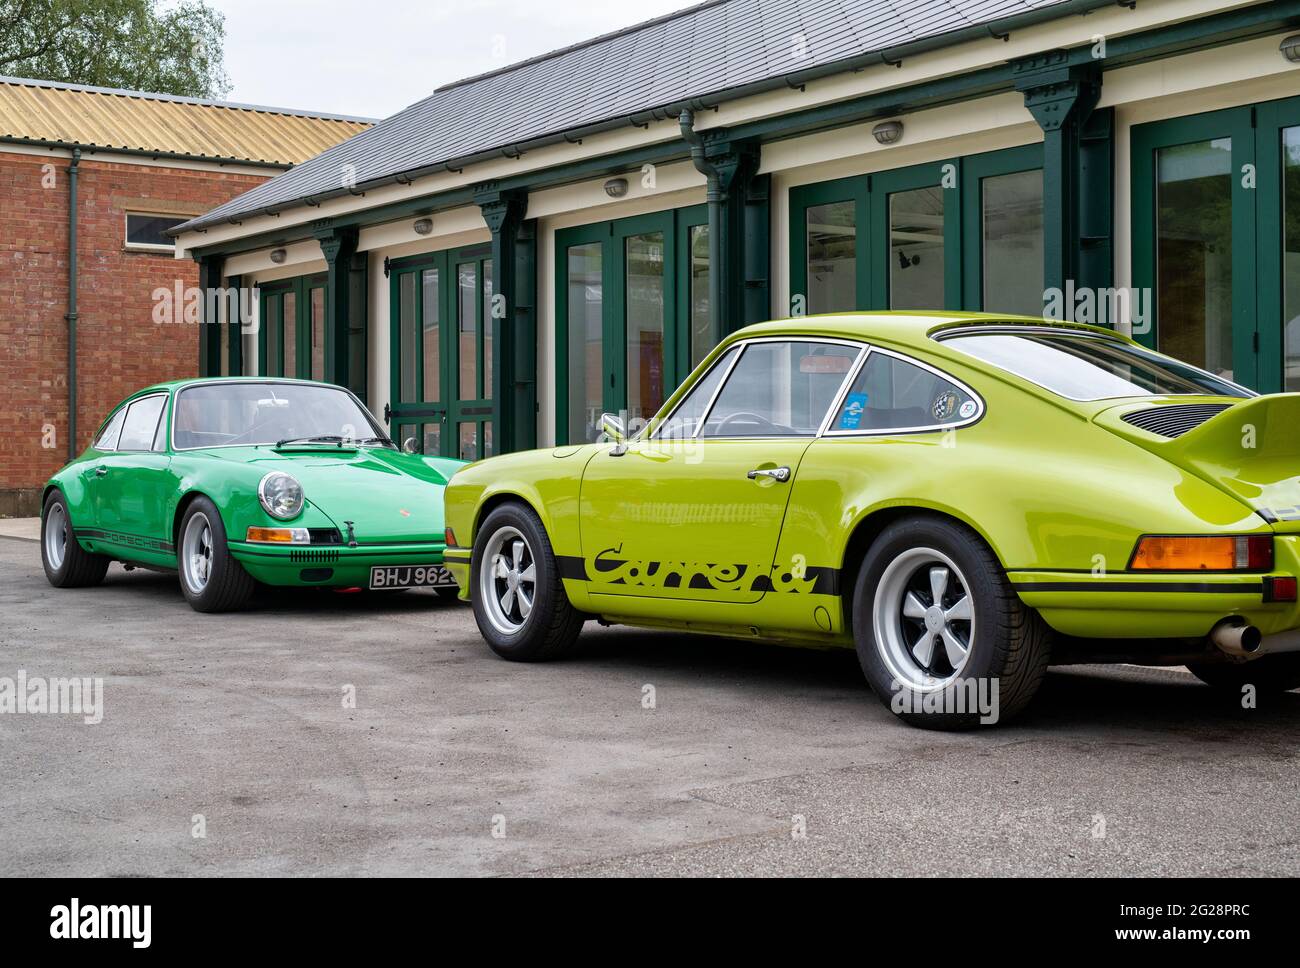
(411, 445)
(611, 426)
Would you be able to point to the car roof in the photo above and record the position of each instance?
(910, 328)
(200, 381)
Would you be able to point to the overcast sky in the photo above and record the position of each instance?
(373, 58)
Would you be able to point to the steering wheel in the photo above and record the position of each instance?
(747, 416)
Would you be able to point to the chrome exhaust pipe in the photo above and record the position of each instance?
(1234, 637)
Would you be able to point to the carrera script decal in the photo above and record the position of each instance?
(609, 567)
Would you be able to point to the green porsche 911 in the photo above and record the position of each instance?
(236, 481)
(963, 498)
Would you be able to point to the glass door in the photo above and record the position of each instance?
(440, 308)
(420, 413)
(1193, 241)
(1278, 244)
(291, 337)
(633, 305)
(471, 408)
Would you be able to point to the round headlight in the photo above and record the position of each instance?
(281, 495)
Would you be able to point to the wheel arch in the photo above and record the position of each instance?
(497, 498)
(186, 499)
(872, 524)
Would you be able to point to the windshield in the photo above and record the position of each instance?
(1083, 367)
(248, 414)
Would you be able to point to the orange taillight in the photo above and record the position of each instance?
(1182, 553)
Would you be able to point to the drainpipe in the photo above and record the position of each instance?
(714, 196)
(72, 303)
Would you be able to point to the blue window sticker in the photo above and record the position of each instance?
(851, 415)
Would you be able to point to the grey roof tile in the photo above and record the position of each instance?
(701, 51)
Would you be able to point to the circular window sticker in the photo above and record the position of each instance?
(945, 405)
(967, 409)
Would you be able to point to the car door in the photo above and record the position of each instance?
(133, 484)
(695, 511)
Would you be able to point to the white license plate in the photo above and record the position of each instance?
(410, 576)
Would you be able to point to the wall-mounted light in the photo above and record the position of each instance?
(616, 187)
(278, 256)
(888, 132)
(1290, 48)
(423, 226)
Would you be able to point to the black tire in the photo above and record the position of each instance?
(227, 587)
(552, 624)
(77, 568)
(1008, 644)
(1268, 674)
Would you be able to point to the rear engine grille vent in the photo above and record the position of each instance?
(313, 557)
(1176, 420)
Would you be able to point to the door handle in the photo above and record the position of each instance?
(781, 474)
(101, 470)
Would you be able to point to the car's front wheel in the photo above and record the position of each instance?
(519, 600)
(211, 579)
(941, 635)
(67, 564)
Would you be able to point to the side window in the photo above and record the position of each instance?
(107, 439)
(141, 423)
(687, 416)
(893, 394)
(160, 438)
(780, 389)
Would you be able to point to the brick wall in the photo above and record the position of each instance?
(119, 347)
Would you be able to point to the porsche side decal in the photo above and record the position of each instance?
(608, 567)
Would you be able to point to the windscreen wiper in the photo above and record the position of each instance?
(326, 439)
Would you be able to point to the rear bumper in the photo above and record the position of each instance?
(1167, 606)
(335, 565)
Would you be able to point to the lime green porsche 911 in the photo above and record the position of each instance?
(243, 480)
(964, 499)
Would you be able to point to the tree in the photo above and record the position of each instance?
(142, 45)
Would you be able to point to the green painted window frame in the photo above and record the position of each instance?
(1146, 140)
(961, 179)
(1258, 279)
(974, 169)
(301, 287)
(612, 235)
(450, 411)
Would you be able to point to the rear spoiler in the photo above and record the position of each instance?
(1251, 450)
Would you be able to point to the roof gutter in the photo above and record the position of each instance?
(893, 56)
(142, 153)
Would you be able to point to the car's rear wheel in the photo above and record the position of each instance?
(211, 579)
(1268, 674)
(67, 564)
(941, 635)
(519, 600)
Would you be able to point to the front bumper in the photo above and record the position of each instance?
(457, 561)
(333, 565)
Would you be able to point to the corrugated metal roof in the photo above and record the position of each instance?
(74, 114)
(703, 51)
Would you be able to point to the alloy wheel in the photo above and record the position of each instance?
(56, 535)
(508, 580)
(924, 619)
(196, 553)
